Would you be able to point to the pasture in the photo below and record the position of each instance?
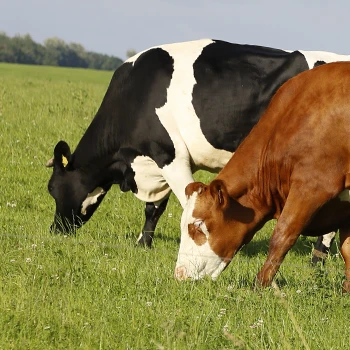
(97, 290)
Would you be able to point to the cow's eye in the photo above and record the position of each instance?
(196, 226)
(198, 223)
(50, 188)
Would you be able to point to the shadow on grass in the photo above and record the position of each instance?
(158, 237)
(166, 238)
(303, 246)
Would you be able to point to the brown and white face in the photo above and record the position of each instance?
(214, 226)
(202, 250)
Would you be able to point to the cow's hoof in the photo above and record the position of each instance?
(259, 285)
(316, 261)
(142, 241)
(346, 286)
(318, 258)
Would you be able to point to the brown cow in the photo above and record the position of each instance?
(293, 166)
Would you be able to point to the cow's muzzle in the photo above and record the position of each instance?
(181, 273)
(63, 226)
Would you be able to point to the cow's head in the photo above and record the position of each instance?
(75, 191)
(214, 227)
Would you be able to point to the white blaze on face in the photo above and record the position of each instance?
(195, 261)
(92, 198)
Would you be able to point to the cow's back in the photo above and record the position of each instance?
(217, 93)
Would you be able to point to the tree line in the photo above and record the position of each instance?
(54, 52)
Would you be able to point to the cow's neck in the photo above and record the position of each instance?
(245, 177)
(96, 145)
(96, 170)
(251, 175)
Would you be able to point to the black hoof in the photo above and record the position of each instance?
(145, 241)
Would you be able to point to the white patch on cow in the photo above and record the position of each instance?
(154, 184)
(92, 198)
(195, 261)
(178, 115)
(344, 196)
(327, 239)
(178, 174)
(192, 150)
(151, 185)
(313, 56)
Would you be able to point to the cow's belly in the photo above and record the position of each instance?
(332, 216)
(151, 185)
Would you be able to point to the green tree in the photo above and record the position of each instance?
(130, 53)
(54, 52)
(6, 52)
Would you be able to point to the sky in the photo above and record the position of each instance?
(112, 26)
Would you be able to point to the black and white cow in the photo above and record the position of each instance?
(168, 112)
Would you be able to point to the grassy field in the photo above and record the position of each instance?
(97, 290)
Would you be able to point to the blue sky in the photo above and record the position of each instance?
(114, 26)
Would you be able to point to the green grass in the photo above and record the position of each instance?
(97, 290)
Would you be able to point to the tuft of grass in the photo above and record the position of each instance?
(97, 290)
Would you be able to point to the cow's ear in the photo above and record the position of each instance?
(219, 192)
(198, 187)
(62, 155)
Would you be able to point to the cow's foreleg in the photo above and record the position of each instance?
(322, 248)
(296, 214)
(178, 175)
(282, 240)
(153, 212)
(344, 234)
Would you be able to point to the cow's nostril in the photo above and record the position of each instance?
(181, 273)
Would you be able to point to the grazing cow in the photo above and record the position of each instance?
(169, 111)
(294, 166)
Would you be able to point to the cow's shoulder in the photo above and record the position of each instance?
(127, 115)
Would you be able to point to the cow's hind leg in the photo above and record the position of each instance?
(344, 234)
(322, 247)
(295, 216)
(153, 212)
